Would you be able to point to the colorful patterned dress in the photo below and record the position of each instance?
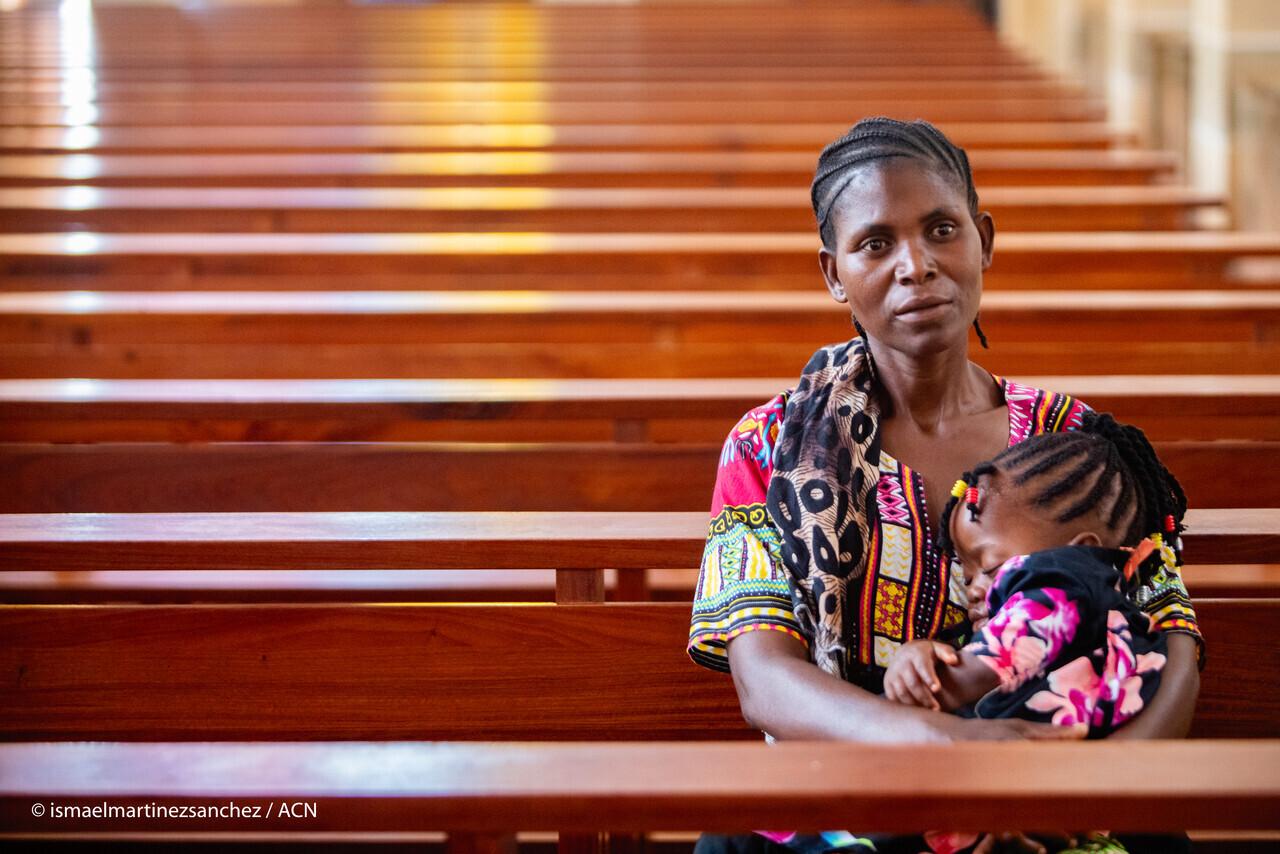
(910, 588)
(1068, 647)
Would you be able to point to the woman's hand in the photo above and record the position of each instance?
(1010, 729)
(1169, 713)
(1012, 840)
(912, 676)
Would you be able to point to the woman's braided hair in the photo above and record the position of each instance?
(1104, 465)
(879, 138)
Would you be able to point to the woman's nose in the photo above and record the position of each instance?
(915, 263)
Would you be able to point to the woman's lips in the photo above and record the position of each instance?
(921, 308)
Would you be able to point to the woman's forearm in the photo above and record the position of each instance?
(1169, 713)
(785, 695)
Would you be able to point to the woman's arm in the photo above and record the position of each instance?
(787, 696)
(1169, 713)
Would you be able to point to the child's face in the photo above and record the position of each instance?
(1006, 525)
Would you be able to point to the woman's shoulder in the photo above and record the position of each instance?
(754, 436)
(1033, 410)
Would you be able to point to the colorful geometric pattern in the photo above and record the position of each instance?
(909, 589)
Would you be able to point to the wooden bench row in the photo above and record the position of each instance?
(1167, 406)
(1151, 254)
(571, 542)
(611, 672)
(292, 209)
(199, 95)
(408, 788)
(992, 168)
(311, 476)
(289, 334)
(736, 136)
(798, 108)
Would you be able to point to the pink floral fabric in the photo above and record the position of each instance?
(1066, 643)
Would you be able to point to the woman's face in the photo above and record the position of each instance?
(908, 258)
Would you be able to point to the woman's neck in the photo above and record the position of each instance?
(930, 389)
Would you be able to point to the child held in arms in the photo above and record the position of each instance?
(1050, 534)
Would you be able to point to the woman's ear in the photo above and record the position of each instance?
(1085, 538)
(831, 274)
(987, 235)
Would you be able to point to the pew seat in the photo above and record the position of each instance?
(521, 476)
(702, 136)
(454, 540)
(296, 334)
(1155, 256)
(765, 209)
(992, 167)
(406, 787)
(446, 671)
(1167, 406)
(52, 587)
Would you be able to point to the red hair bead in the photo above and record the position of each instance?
(1169, 525)
(971, 496)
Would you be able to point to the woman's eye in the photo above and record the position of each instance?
(944, 229)
(875, 244)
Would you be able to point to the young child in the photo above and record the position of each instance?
(1051, 534)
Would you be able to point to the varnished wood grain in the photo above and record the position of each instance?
(288, 334)
(1156, 256)
(275, 209)
(1166, 406)
(307, 476)
(464, 672)
(404, 540)
(1229, 581)
(992, 167)
(405, 786)
(735, 136)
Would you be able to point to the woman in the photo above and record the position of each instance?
(823, 540)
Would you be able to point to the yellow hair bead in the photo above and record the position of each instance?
(957, 491)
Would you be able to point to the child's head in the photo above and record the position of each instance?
(1101, 485)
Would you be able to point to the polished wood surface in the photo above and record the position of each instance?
(699, 136)
(287, 334)
(992, 167)
(414, 787)
(1086, 259)
(295, 586)
(1166, 406)
(603, 672)
(765, 209)
(447, 540)
(377, 476)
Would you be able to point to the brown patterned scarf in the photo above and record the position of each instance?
(822, 494)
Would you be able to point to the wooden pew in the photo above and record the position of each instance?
(51, 587)
(1167, 406)
(409, 788)
(343, 476)
(735, 136)
(992, 167)
(676, 259)
(642, 685)
(566, 541)
(800, 108)
(137, 94)
(194, 334)
(267, 209)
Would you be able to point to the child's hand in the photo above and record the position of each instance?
(912, 676)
